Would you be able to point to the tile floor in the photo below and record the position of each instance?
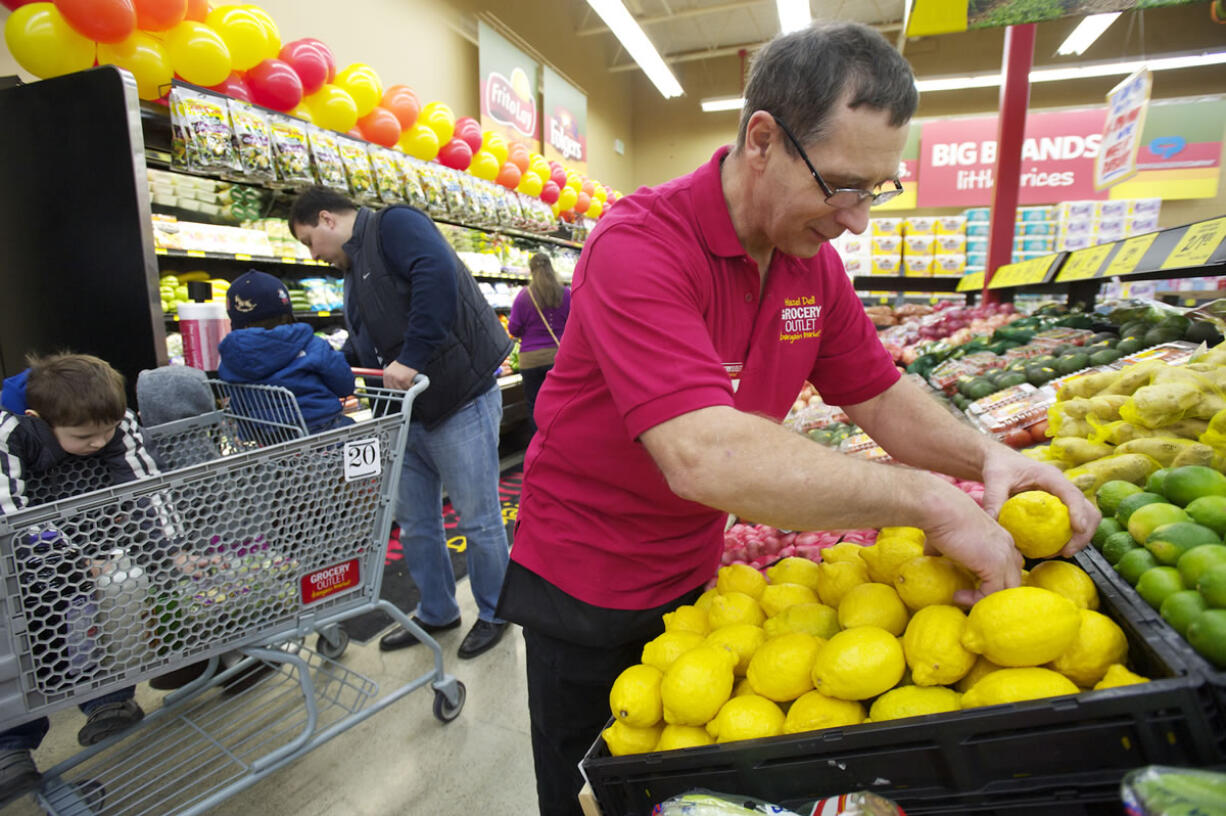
(401, 760)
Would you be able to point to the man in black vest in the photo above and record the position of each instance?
(411, 305)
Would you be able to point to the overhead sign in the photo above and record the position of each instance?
(944, 16)
(1117, 155)
(565, 122)
(509, 80)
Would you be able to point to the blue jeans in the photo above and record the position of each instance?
(460, 455)
(29, 735)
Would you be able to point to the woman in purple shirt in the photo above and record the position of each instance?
(538, 317)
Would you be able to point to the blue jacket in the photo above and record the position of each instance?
(293, 357)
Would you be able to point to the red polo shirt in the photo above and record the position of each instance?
(666, 318)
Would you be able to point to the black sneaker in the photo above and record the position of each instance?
(18, 775)
(109, 719)
(481, 638)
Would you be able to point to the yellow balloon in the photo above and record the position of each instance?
(530, 183)
(539, 165)
(420, 142)
(43, 43)
(273, 50)
(485, 165)
(496, 143)
(557, 208)
(594, 210)
(601, 194)
(364, 85)
(567, 198)
(303, 112)
(244, 34)
(573, 182)
(333, 108)
(198, 53)
(144, 57)
(439, 118)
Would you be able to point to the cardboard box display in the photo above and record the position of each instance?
(951, 225)
(887, 245)
(949, 264)
(951, 244)
(886, 264)
(917, 266)
(978, 214)
(919, 225)
(885, 226)
(918, 245)
(977, 229)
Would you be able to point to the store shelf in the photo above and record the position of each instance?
(1190, 298)
(238, 257)
(899, 283)
(509, 381)
(325, 315)
(512, 232)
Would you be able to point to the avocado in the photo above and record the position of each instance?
(1103, 344)
(1042, 359)
(1105, 357)
(1076, 321)
(1134, 328)
(960, 401)
(1063, 349)
(1105, 337)
(1177, 322)
(1038, 375)
(980, 388)
(1162, 334)
(1202, 331)
(1129, 345)
(995, 375)
(1011, 378)
(964, 382)
(1072, 362)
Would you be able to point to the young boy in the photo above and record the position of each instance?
(269, 348)
(63, 406)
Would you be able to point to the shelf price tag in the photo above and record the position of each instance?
(1022, 274)
(195, 253)
(1084, 264)
(1129, 255)
(160, 251)
(241, 256)
(1197, 244)
(971, 282)
(289, 259)
(324, 313)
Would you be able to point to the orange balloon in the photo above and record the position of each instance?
(519, 155)
(402, 101)
(159, 15)
(197, 10)
(105, 21)
(381, 127)
(508, 176)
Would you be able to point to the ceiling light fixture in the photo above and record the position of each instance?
(722, 103)
(632, 38)
(1087, 31)
(793, 15)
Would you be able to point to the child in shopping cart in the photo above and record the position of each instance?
(63, 406)
(269, 348)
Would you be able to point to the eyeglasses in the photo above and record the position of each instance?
(842, 198)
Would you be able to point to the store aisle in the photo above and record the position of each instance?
(402, 760)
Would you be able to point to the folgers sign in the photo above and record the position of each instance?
(510, 101)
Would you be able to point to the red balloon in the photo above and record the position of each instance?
(509, 176)
(274, 84)
(469, 129)
(107, 21)
(550, 192)
(13, 5)
(159, 15)
(558, 176)
(381, 127)
(308, 62)
(455, 154)
(234, 86)
(197, 10)
(583, 202)
(327, 53)
(402, 101)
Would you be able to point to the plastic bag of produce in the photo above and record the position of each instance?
(1153, 406)
(1106, 407)
(1078, 451)
(705, 803)
(1159, 790)
(1134, 377)
(1163, 448)
(1128, 467)
(1087, 385)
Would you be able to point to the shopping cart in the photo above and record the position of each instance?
(251, 550)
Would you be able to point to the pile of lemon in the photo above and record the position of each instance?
(869, 634)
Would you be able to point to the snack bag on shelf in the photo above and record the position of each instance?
(356, 162)
(1158, 790)
(433, 190)
(202, 120)
(329, 168)
(291, 151)
(388, 181)
(453, 191)
(251, 142)
(414, 189)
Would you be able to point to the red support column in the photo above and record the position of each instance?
(1011, 131)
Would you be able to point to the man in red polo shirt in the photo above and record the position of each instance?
(699, 309)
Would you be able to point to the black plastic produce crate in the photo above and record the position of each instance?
(1063, 755)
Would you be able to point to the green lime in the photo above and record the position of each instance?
(1183, 485)
(1144, 520)
(1116, 545)
(1207, 634)
(1171, 541)
(1154, 483)
(1196, 562)
(1158, 583)
(1135, 563)
(1209, 511)
(1212, 586)
(1112, 493)
(1129, 504)
(1180, 608)
(1107, 527)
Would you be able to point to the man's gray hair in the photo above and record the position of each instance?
(801, 77)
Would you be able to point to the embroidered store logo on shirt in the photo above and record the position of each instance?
(799, 316)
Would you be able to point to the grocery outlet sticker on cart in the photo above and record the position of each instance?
(326, 582)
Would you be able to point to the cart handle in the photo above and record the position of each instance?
(368, 372)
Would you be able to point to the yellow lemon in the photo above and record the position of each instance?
(982, 668)
(873, 605)
(740, 578)
(814, 710)
(1118, 675)
(913, 533)
(793, 570)
(815, 619)
(782, 668)
(1015, 685)
(747, 717)
(663, 650)
(930, 580)
(742, 687)
(696, 685)
(933, 646)
(704, 600)
(1067, 579)
(888, 554)
(686, 619)
(1100, 644)
(843, 551)
(742, 639)
(1022, 626)
(734, 608)
(635, 698)
(859, 663)
(914, 701)
(1038, 522)
(778, 597)
(834, 580)
(623, 739)
(674, 737)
